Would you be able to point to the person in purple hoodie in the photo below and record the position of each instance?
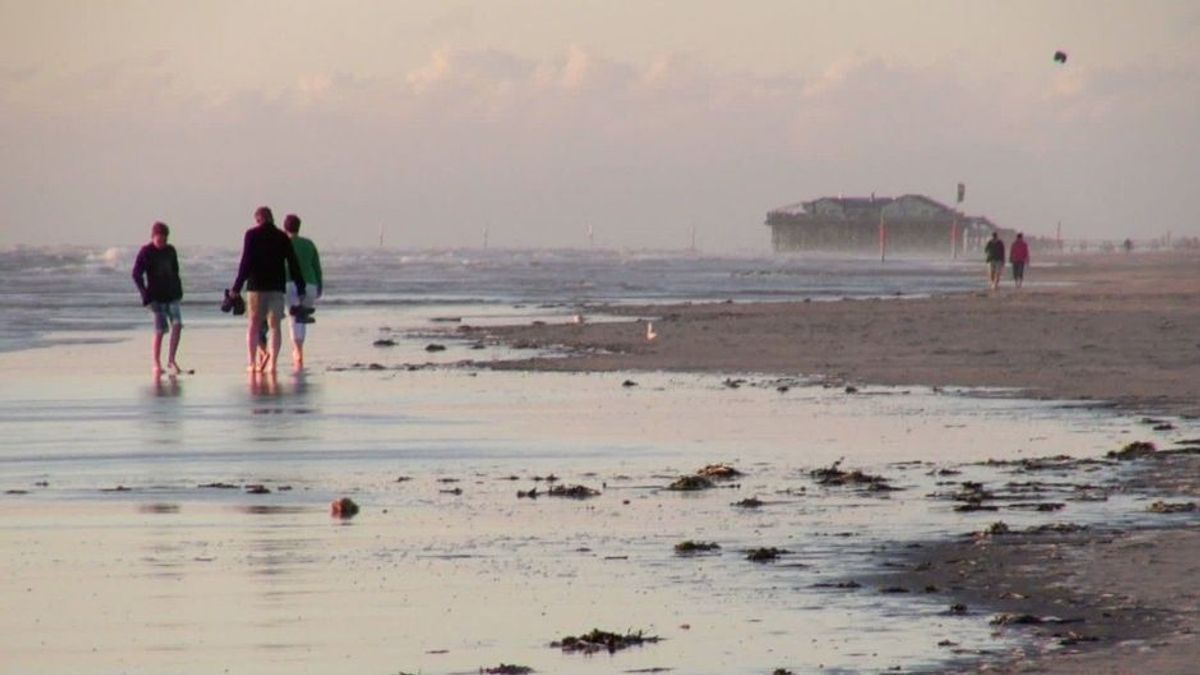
(266, 252)
(156, 274)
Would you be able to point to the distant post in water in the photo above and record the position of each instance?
(882, 239)
(962, 193)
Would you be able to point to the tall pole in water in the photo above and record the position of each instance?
(380, 235)
(693, 238)
(962, 193)
(882, 238)
(1058, 237)
(591, 237)
(485, 238)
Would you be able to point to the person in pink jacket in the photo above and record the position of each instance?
(1018, 255)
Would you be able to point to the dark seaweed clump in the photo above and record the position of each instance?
(690, 547)
(1134, 450)
(600, 640)
(573, 491)
(690, 484)
(834, 475)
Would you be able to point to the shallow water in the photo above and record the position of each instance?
(167, 576)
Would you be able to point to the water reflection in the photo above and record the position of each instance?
(166, 387)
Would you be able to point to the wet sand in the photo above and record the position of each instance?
(1114, 330)
(1120, 329)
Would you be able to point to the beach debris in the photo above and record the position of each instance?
(452, 491)
(16, 491)
(834, 475)
(733, 383)
(690, 547)
(119, 488)
(893, 589)
(434, 347)
(781, 671)
(218, 486)
(629, 383)
(344, 508)
(403, 479)
(448, 480)
(257, 489)
(958, 608)
(507, 669)
(528, 494)
(1006, 619)
(995, 529)
(749, 503)
(446, 319)
(1060, 57)
(1037, 506)
(837, 584)
(719, 472)
(1134, 450)
(548, 478)
(690, 484)
(384, 342)
(158, 507)
(1073, 638)
(651, 335)
(765, 554)
(1056, 528)
(573, 491)
(850, 389)
(1172, 507)
(600, 640)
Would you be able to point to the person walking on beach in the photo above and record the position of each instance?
(310, 273)
(267, 259)
(994, 254)
(1019, 257)
(156, 274)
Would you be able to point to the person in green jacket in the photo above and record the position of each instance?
(310, 271)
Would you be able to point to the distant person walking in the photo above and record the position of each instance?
(156, 274)
(310, 274)
(1019, 257)
(994, 254)
(267, 259)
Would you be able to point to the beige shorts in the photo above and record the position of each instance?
(266, 304)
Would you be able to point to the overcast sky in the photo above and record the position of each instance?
(536, 119)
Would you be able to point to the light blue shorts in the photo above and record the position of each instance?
(166, 314)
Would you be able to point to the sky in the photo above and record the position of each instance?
(535, 120)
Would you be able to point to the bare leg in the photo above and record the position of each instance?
(252, 342)
(276, 341)
(176, 331)
(156, 349)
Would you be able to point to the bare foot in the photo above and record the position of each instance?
(157, 370)
(175, 369)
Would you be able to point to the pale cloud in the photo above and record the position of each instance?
(534, 147)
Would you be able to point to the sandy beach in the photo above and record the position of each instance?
(184, 525)
(1119, 329)
(1116, 331)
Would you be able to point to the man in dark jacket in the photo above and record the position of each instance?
(994, 254)
(266, 250)
(156, 274)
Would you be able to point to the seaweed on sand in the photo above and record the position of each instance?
(690, 547)
(600, 640)
(690, 484)
(764, 554)
(834, 475)
(719, 472)
(1134, 450)
(507, 669)
(573, 491)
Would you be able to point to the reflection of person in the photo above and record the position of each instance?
(1019, 257)
(266, 255)
(310, 272)
(994, 254)
(156, 273)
